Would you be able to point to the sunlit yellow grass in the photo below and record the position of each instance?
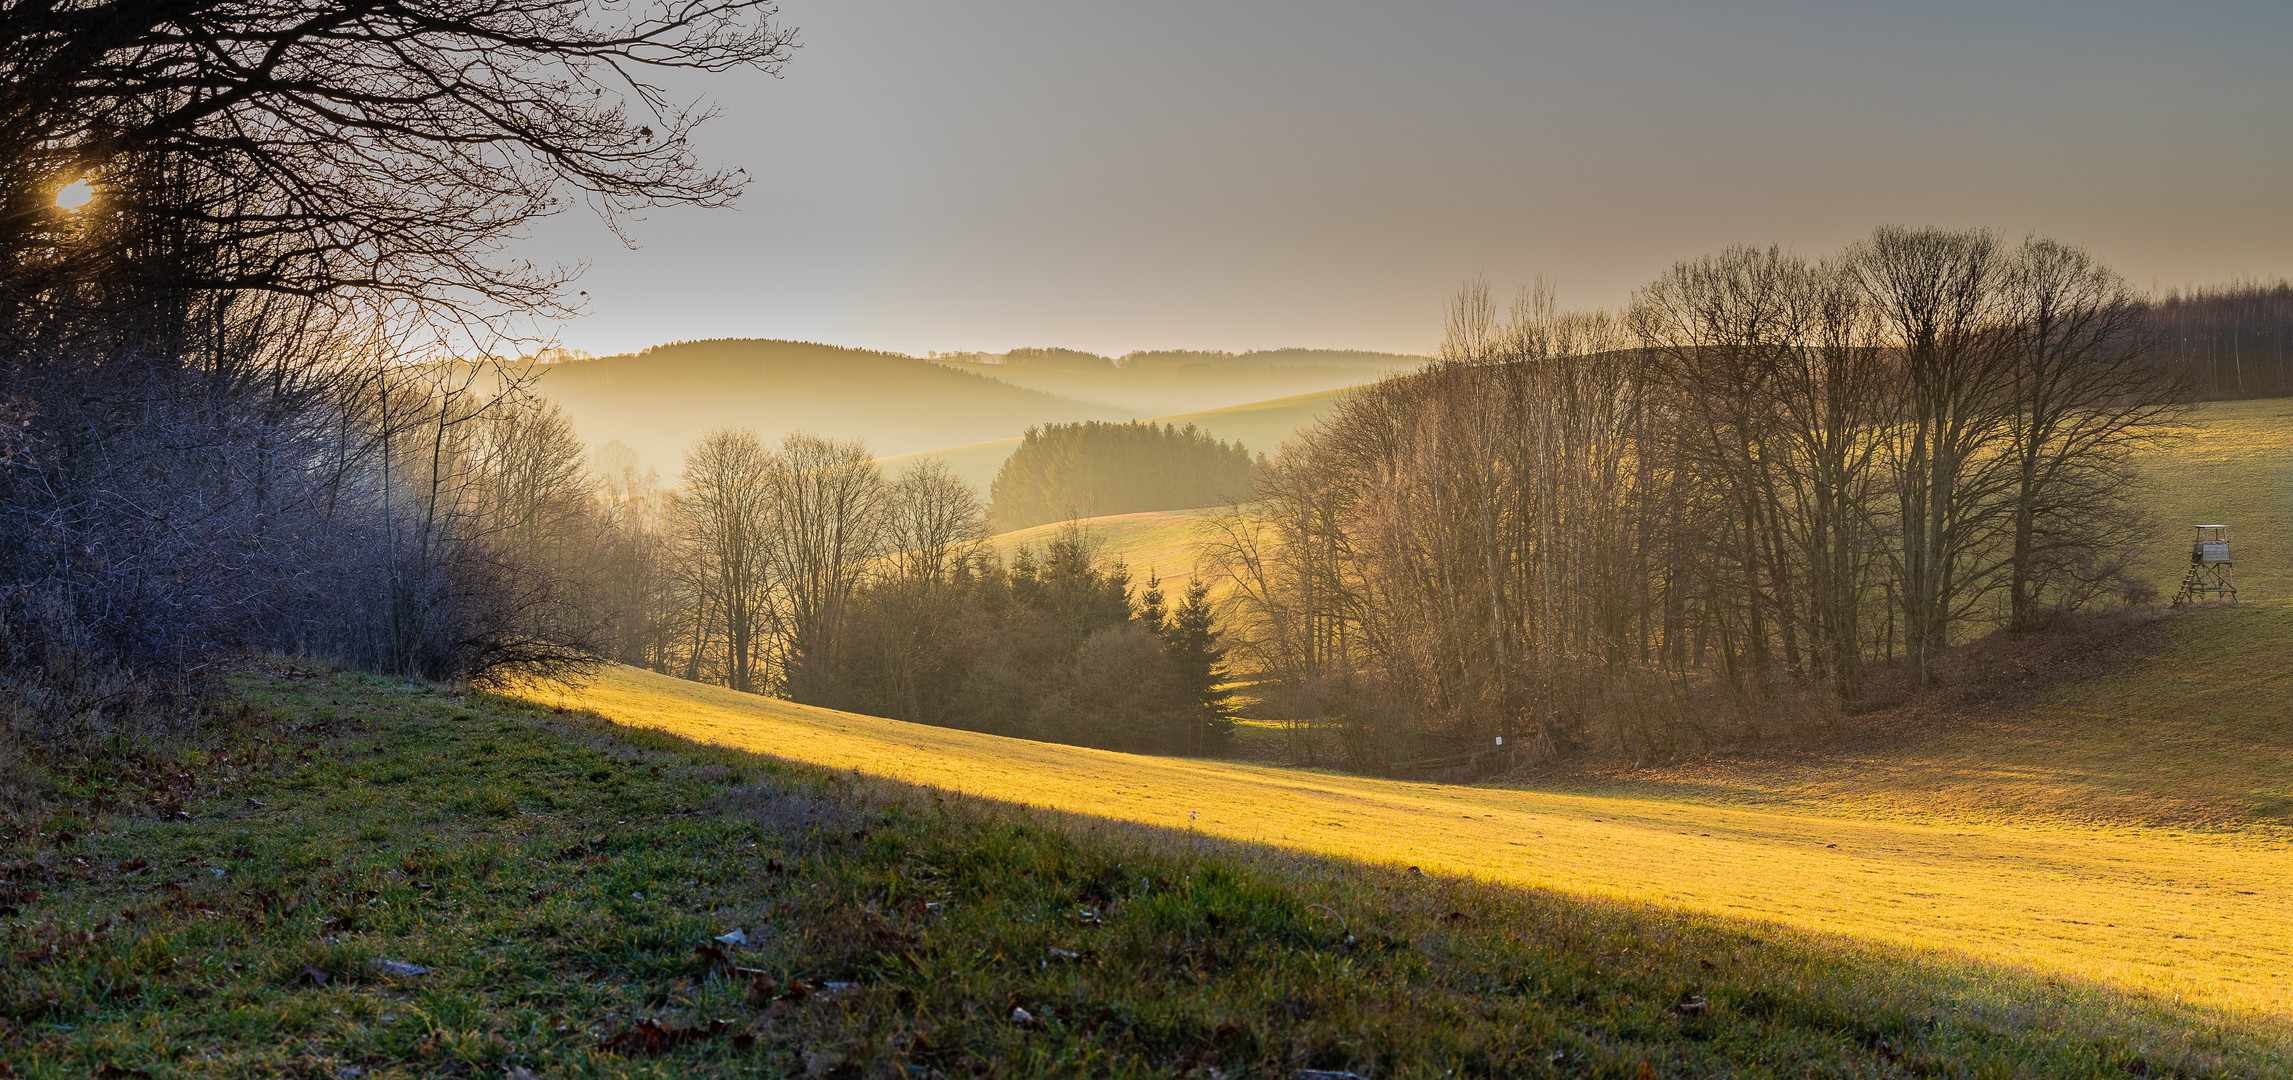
(1164, 542)
(2201, 917)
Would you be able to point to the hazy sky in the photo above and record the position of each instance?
(1111, 177)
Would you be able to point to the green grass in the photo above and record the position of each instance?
(220, 911)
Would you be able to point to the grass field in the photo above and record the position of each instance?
(2188, 914)
(2231, 464)
(2199, 735)
(1165, 542)
(351, 877)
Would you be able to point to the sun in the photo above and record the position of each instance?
(76, 194)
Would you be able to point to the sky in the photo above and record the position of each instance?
(991, 175)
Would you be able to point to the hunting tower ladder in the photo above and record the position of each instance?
(2208, 576)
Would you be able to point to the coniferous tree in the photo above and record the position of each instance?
(1191, 635)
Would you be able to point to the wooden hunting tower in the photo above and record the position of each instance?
(2208, 575)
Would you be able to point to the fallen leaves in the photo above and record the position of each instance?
(716, 961)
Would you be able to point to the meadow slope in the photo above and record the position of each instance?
(2187, 914)
(351, 876)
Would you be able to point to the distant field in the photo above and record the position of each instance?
(2233, 465)
(2192, 914)
(1165, 542)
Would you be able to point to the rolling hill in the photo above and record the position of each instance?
(2231, 463)
(1161, 383)
(660, 400)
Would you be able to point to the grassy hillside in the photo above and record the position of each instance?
(2197, 735)
(660, 400)
(2190, 915)
(1260, 425)
(2232, 465)
(358, 878)
(1159, 384)
(1164, 542)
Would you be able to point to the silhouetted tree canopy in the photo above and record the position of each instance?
(2230, 341)
(1076, 470)
(388, 147)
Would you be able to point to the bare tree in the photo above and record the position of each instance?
(725, 515)
(1940, 300)
(2085, 396)
(828, 502)
(933, 521)
(636, 579)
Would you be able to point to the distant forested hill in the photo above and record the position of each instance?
(1061, 471)
(1180, 381)
(1260, 425)
(660, 400)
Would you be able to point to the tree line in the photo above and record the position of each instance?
(2228, 341)
(1769, 489)
(801, 569)
(1064, 471)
